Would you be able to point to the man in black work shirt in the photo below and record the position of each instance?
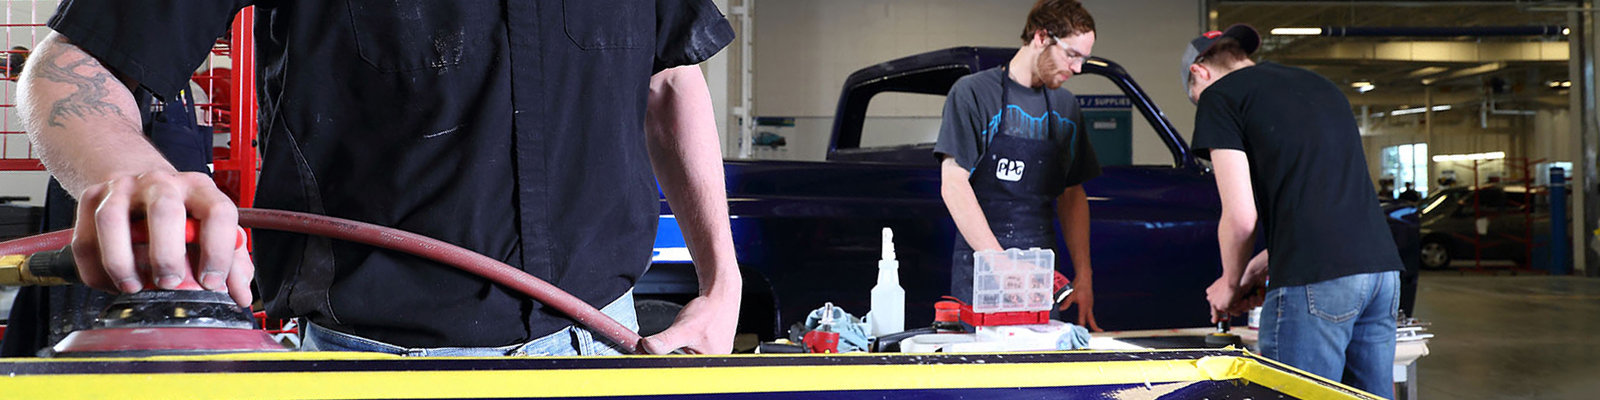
(1284, 146)
(522, 130)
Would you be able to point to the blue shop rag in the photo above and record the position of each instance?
(1076, 338)
(851, 335)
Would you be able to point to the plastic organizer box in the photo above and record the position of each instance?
(1013, 280)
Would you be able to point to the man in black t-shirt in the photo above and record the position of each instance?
(1014, 153)
(1285, 147)
(526, 131)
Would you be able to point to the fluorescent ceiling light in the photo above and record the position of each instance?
(1297, 31)
(1461, 73)
(1360, 84)
(1366, 88)
(1421, 72)
(1494, 155)
(1407, 111)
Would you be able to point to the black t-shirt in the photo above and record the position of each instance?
(1308, 170)
(972, 114)
(512, 128)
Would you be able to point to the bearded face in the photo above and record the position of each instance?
(1063, 59)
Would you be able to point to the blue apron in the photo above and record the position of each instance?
(1016, 182)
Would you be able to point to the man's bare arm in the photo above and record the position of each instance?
(1236, 232)
(1072, 211)
(962, 202)
(85, 124)
(687, 159)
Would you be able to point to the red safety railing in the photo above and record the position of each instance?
(1516, 198)
(236, 170)
(224, 91)
(23, 26)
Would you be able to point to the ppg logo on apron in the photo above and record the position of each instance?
(1009, 170)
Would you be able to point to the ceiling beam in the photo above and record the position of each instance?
(1382, 100)
(1348, 3)
(1426, 71)
(1465, 72)
(1391, 99)
(1432, 51)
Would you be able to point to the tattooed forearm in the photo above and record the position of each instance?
(91, 94)
(82, 120)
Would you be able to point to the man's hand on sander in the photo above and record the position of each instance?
(107, 258)
(1251, 284)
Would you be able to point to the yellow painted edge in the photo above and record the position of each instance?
(1273, 374)
(593, 382)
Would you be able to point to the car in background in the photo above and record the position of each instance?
(1490, 222)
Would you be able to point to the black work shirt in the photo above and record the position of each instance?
(1307, 168)
(514, 128)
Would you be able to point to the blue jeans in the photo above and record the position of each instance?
(569, 341)
(1341, 329)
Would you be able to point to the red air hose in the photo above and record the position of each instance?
(402, 241)
(37, 243)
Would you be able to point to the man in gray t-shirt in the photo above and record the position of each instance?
(1014, 153)
(972, 113)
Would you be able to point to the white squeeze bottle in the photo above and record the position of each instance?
(888, 299)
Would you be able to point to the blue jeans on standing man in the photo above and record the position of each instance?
(569, 341)
(1342, 329)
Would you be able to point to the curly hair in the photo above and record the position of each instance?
(1058, 18)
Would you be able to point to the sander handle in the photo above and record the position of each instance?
(57, 267)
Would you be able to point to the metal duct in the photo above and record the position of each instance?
(1420, 31)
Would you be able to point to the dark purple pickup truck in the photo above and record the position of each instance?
(809, 232)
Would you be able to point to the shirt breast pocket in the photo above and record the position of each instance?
(617, 24)
(405, 35)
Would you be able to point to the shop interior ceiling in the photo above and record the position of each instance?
(1518, 71)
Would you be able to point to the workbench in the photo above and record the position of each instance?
(1406, 352)
(1141, 374)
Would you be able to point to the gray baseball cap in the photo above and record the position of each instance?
(1245, 34)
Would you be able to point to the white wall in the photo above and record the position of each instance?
(804, 49)
(719, 72)
(30, 184)
(1552, 139)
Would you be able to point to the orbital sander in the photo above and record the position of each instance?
(1223, 337)
(150, 322)
(169, 322)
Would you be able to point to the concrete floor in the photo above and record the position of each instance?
(1510, 337)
